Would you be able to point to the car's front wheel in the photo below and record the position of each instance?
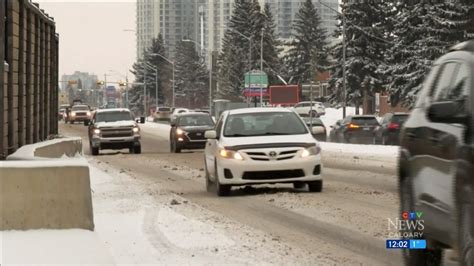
(94, 151)
(465, 220)
(414, 257)
(315, 186)
(137, 149)
(222, 190)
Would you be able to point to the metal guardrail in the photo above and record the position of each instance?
(28, 76)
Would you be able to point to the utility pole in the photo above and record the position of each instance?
(144, 95)
(105, 89)
(126, 91)
(210, 82)
(311, 105)
(250, 67)
(261, 67)
(344, 66)
(156, 87)
(174, 95)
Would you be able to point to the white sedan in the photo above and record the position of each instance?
(305, 109)
(261, 146)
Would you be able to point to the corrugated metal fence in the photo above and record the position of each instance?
(29, 96)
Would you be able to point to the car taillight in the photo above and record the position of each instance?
(353, 126)
(393, 126)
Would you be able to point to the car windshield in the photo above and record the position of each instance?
(364, 120)
(196, 120)
(113, 116)
(80, 108)
(263, 124)
(400, 119)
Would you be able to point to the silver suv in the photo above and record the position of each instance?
(114, 129)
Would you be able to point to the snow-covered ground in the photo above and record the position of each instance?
(142, 224)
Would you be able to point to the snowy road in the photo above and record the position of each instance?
(135, 215)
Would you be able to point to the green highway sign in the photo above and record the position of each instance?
(256, 79)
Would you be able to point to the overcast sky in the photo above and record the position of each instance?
(92, 36)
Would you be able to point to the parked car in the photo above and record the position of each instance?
(356, 129)
(258, 146)
(162, 114)
(187, 131)
(304, 109)
(388, 133)
(177, 111)
(79, 113)
(114, 129)
(320, 130)
(437, 156)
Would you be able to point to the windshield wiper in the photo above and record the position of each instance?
(238, 135)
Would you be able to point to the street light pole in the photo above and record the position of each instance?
(261, 67)
(144, 95)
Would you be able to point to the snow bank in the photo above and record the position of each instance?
(59, 247)
(373, 158)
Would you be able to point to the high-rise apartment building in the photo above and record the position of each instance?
(285, 11)
(181, 19)
(174, 19)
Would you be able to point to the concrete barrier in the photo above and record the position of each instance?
(45, 194)
(56, 148)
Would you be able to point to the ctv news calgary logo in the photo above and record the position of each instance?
(409, 225)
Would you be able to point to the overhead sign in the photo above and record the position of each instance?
(256, 79)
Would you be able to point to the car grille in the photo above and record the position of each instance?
(116, 132)
(196, 135)
(271, 156)
(81, 113)
(268, 175)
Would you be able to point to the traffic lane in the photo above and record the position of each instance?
(156, 147)
(346, 200)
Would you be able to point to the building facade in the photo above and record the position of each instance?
(181, 19)
(174, 19)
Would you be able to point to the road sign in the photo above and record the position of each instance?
(256, 79)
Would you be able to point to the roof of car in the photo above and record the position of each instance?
(80, 105)
(259, 110)
(192, 114)
(112, 110)
(464, 46)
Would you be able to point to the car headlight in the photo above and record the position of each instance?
(97, 131)
(231, 154)
(73, 114)
(88, 113)
(179, 131)
(311, 151)
(136, 129)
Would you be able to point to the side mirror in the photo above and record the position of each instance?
(317, 130)
(210, 134)
(331, 126)
(447, 112)
(140, 120)
(173, 123)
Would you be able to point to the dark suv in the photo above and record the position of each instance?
(356, 129)
(436, 172)
(187, 131)
(388, 133)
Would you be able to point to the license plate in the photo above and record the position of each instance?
(198, 134)
(366, 128)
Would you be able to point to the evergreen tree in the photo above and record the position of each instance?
(141, 70)
(308, 50)
(234, 58)
(364, 52)
(423, 32)
(272, 62)
(192, 77)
